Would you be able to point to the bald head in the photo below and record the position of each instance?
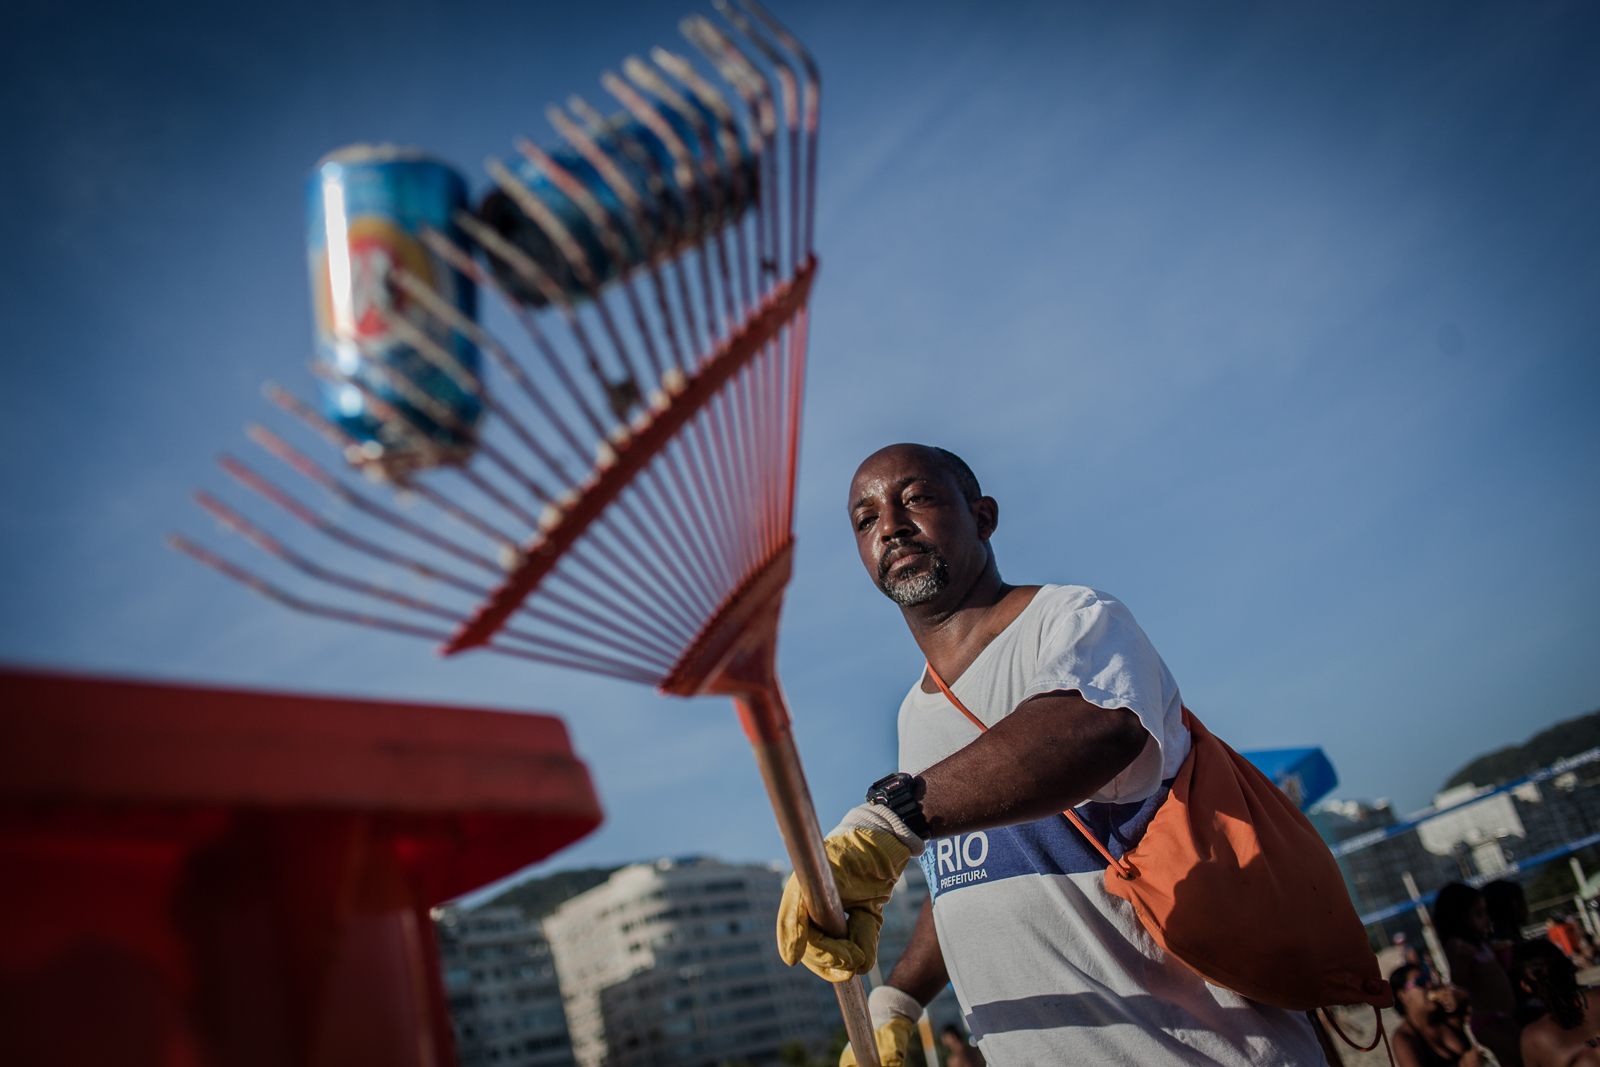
(921, 521)
(965, 482)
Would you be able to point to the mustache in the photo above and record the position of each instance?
(888, 561)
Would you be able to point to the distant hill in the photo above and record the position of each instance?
(541, 896)
(1542, 749)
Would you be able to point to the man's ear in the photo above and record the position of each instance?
(986, 513)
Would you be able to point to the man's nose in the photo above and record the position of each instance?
(894, 524)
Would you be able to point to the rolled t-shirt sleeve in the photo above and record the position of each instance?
(1091, 643)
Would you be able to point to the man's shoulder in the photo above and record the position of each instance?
(1066, 599)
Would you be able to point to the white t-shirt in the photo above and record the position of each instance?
(1049, 968)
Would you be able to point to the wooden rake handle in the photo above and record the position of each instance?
(766, 722)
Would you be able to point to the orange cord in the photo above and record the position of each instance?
(1125, 870)
(1381, 1035)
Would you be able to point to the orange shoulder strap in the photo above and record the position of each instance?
(1125, 870)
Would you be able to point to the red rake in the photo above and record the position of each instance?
(629, 508)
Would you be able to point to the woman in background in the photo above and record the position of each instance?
(1461, 916)
(1432, 1033)
(1569, 1035)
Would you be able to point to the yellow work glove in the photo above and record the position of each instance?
(894, 1037)
(894, 1014)
(867, 852)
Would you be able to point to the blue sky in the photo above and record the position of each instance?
(1280, 322)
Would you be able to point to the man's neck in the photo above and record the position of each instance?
(952, 631)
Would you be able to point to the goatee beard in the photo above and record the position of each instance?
(919, 588)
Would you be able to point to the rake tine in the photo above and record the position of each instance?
(605, 225)
(573, 252)
(683, 173)
(686, 588)
(583, 613)
(813, 105)
(630, 675)
(418, 398)
(266, 489)
(587, 112)
(490, 490)
(718, 155)
(273, 547)
(531, 272)
(791, 114)
(647, 79)
(642, 661)
(788, 94)
(539, 641)
(756, 92)
(651, 240)
(346, 445)
(670, 608)
(669, 636)
(462, 262)
(453, 318)
(435, 353)
(432, 351)
(311, 470)
(669, 239)
(683, 540)
(676, 464)
(289, 600)
(548, 221)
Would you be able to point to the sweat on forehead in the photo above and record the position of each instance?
(909, 456)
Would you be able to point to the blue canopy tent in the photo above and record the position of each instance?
(1304, 774)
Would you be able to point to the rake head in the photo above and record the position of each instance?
(618, 495)
(613, 492)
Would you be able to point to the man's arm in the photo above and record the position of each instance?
(1053, 752)
(920, 972)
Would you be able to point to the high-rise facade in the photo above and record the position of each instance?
(673, 964)
(500, 978)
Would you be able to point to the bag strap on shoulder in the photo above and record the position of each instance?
(1125, 870)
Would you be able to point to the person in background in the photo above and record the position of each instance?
(1461, 916)
(1569, 1034)
(1409, 953)
(959, 1052)
(1508, 914)
(1432, 1033)
(1565, 933)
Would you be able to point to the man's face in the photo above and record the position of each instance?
(916, 533)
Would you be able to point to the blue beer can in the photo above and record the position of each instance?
(400, 378)
(673, 216)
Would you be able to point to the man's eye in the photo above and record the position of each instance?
(864, 521)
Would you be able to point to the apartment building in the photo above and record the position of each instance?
(673, 964)
(500, 978)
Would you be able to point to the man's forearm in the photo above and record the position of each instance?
(1054, 752)
(921, 973)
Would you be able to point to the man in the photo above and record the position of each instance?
(1081, 713)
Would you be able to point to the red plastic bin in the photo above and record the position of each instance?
(195, 877)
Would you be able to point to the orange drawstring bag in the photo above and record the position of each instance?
(1232, 879)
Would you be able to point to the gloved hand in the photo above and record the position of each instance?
(894, 1017)
(867, 852)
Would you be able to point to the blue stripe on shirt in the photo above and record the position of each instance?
(1047, 846)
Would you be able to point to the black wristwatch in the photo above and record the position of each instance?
(896, 792)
